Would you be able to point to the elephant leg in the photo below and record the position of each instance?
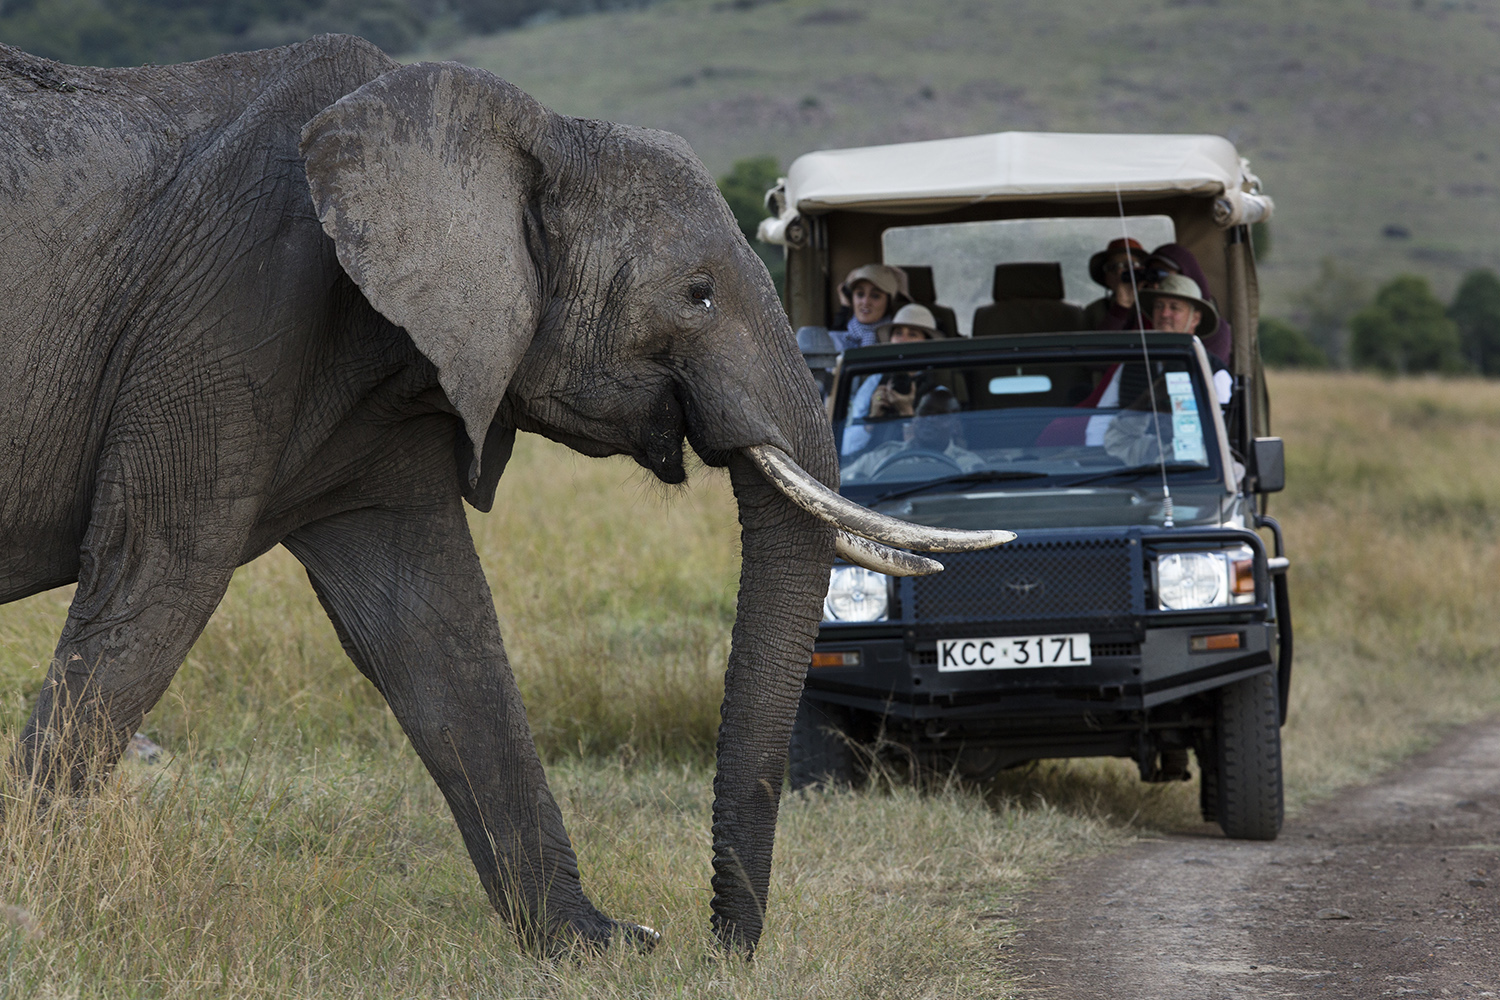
(148, 582)
(411, 605)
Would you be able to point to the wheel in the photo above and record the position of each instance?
(1248, 759)
(979, 764)
(821, 753)
(915, 455)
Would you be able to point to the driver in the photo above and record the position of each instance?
(931, 435)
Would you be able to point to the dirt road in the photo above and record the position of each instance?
(1388, 890)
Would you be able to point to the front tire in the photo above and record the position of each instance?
(821, 753)
(1248, 785)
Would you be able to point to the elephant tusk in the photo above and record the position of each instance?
(883, 558)
(819, 501)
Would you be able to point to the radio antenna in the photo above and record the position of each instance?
(1140, 326)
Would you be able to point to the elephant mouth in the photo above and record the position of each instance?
(659, 448)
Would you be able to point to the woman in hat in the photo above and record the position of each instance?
(871, 291)
(1174, 258)
(1117, 267)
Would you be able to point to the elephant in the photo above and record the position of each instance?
(307, 297)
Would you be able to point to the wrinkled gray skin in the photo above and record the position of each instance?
(272, 298)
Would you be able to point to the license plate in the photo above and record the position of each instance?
(1014, 652)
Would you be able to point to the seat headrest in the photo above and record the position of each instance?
(919, 283)
(1028, 281)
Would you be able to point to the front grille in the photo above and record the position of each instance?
(1036, 581)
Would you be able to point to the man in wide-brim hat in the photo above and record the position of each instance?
(1176, 305)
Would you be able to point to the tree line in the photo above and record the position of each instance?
(1403, 329)
(137, 32)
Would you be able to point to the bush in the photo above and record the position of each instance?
(1405, 330)
(1282, 345)
(745, 187)
(1323, 309)
(1476, 311)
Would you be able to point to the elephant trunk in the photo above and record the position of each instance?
(783, 578)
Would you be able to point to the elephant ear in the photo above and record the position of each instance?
(423, 178)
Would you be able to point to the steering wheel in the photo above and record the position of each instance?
(915, 455)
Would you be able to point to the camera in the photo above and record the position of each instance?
(901, 383)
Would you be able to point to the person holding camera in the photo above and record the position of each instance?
(1118, 268)
(895, 393)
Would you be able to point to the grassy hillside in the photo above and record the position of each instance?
(1358, 114)
(296, 848)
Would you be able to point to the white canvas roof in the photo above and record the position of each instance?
(948, 173)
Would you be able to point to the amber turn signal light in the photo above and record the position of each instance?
(850, 659)
(1242, 573)
(1209, 643)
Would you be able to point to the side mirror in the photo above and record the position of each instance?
(1270, 465)
(817, 347)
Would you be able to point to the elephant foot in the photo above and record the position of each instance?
(735, 940)
(638, 936)
(594, 936)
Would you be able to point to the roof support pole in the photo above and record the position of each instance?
(807, 275)
(1241, 311)
(1244, 316)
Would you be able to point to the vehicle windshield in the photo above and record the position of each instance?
(910, 429)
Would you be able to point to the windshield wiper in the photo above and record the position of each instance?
(978, 476)
(1131, 471)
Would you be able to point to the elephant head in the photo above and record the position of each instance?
(586, 281)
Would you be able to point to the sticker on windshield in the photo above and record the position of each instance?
(1187, 432)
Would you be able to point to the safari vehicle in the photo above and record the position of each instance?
(1139, 613)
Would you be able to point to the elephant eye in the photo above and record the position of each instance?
(702, 291)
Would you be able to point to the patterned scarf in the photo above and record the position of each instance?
(857, 335)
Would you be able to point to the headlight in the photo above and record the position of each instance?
(1186, 580)
(856, 594)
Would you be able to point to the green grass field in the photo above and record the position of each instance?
(294, 846)
(1357, 115)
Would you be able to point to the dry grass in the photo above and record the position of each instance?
(298, 875)
(1393, 527)
(294, 846)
